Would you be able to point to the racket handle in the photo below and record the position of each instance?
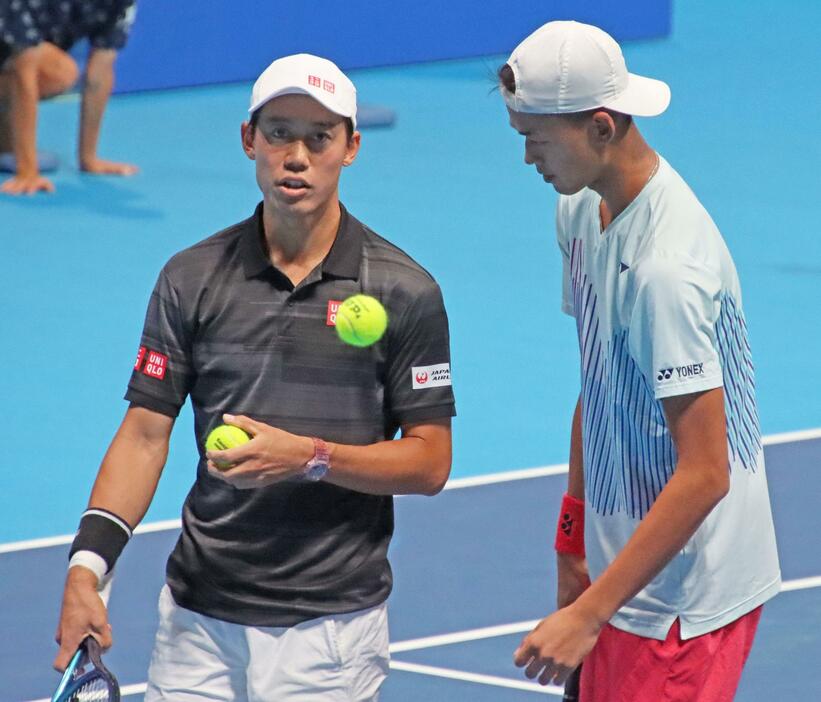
(571, 686)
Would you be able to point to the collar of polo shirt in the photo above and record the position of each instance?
(342, 260)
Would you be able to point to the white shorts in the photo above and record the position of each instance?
(339, 658)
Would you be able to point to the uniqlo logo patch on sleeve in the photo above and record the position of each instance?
(140, 358)
(333, 308)
(156, 365)
(425, 377)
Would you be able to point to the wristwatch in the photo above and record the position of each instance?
(317, 467)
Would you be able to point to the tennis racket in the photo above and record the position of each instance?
(86, 678)
(571, 686)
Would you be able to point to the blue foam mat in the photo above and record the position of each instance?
(374, 116)
(47, 162)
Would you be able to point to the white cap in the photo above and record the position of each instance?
(308, 75)
(568, 67)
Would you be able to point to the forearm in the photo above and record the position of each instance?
(680, 509)
(23, 100)
(410, 465)
(99, 81)
(575, 476)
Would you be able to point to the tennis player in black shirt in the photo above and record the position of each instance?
(276, 588)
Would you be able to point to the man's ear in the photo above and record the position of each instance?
(247, 135)
(602, 128)
(353, 148)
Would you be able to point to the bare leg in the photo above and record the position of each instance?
(57, 71)
(5, 125)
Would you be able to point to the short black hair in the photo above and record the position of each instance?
(348, 123)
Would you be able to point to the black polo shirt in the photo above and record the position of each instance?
(229, 330)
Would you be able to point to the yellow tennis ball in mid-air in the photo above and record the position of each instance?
(361, 320)
(225, 436)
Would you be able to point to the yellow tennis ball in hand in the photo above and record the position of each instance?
(361, 320)
(225, 436)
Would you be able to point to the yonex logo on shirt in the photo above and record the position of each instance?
(681, 372)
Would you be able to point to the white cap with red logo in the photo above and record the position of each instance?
(568, 67)
(310, 75)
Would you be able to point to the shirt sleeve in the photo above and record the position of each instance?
(672, 333)
(163, 374)
(418, 374)
(564, 247)
(113, 31)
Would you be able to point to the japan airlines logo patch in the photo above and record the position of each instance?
(435, 376)
(152, 363)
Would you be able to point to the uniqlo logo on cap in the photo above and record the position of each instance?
(156, 365)
(314, 80)
(328, 86)
(333, 308)
(140, 358)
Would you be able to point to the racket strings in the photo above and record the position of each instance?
(96, 690)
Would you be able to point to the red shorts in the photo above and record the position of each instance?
(624, 667)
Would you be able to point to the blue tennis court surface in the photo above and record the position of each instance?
(474, 571)
(447, 184)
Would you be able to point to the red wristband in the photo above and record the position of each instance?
(570, 532)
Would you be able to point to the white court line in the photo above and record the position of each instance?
(786, 437)
(487, 632)
(455, 484)
(801, 584)
(524, 474)
(476, 678)
(68, 538)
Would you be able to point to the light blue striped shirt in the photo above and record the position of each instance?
(657, 304)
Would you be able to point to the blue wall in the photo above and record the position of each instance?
(192, 42)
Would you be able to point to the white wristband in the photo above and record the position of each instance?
(88, 559)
